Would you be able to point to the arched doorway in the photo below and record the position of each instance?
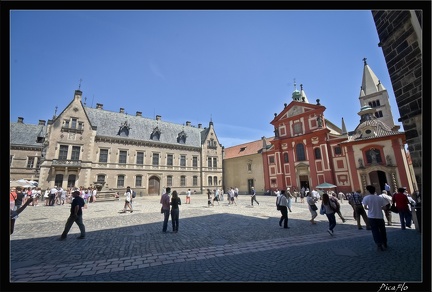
(154, 186)
(378, 179)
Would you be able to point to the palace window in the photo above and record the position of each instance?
(75, 152)
(155, 135)
(120, 181)
(271, 159)
(155, 160)
(169, 180)
(124, 129)
(58, 181)
(138, 181)
(183, 161)
(30, 161)
(378, 114)
(337, 150)
(300, 152)
(73, 123)
(122, 156)
(100, 178)
(286, 160)
(103, 155)
(181, 138)
(194, 180)
(140, 158)
(63, 152)
(209, 180)
(374, 103)
(212, 143)
(194, 161)
(317, 153)
(71, 180)
(170, 160)
(182, 180)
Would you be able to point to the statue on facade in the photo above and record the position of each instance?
(389, 160)
(320, 121)
(373, 155)
(360, 161)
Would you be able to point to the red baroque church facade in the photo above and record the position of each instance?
(308, 149)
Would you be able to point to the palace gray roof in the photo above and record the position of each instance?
(26, 134)
(109, 123)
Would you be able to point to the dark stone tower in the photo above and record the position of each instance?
(400, 35)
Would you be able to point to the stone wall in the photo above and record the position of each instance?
(400, 39)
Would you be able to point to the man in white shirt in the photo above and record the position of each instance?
(188, 196)
(94, 193)
(316, 195)
(374, 205)
(52, 195)
(387, 211)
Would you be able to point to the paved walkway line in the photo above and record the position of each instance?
(62, 271)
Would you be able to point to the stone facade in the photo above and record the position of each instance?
(400, 34)
(243, 166)
(88, 147)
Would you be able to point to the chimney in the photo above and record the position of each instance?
(41, 122)
(158, 117)
(99, 106)
(188, 123)
(122, 110)
(78, 94)
(199, 126)
(139, 114)
(21, 120)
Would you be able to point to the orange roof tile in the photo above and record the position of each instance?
(245, 149)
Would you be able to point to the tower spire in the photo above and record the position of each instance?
(344, 131)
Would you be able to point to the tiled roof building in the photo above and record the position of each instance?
(308, 150)
(85, 146)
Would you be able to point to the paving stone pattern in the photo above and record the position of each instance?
(219, 244)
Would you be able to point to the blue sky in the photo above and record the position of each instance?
(234, 67)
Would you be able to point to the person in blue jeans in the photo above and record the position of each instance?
(329, 212)
(400, 199)
(165, 201)
(175, 211)
(375, 204)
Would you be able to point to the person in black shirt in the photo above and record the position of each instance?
(20, 197)
(175, 211)
(75, 216)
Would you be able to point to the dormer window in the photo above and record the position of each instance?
(368, 132)
(212, 143)
(124, 129)
(155, 135)
(181, 138)
(73, 125)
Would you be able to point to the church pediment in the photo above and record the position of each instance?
(295, 109)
